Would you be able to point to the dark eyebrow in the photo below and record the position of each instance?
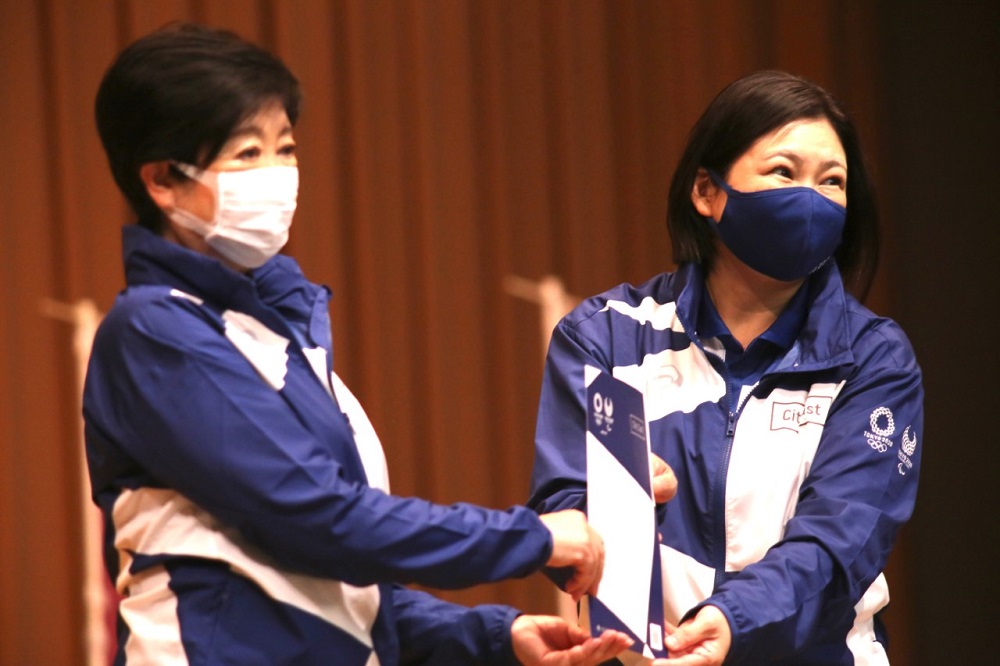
(787, 154)
(255, 131)
(249, 130)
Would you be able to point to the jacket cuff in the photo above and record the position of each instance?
(501, 645)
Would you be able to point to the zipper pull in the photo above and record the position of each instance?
(731, 426)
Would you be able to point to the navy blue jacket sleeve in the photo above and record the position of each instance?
(170, 394)
(559, 475)
(858, 493)
(432, 631)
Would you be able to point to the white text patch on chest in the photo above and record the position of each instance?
(793, 415)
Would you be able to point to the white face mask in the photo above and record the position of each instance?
(253, 211)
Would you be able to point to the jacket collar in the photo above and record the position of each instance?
(151, 259)
(278, 285)
(824, 340)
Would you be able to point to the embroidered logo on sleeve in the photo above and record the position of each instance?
(882, 426)
(906, 449)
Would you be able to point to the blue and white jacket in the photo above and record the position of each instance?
(247, 511)
(790, 494)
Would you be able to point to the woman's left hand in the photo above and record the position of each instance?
(546, 640)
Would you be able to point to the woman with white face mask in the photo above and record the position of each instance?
(784, 417)
(245, 493)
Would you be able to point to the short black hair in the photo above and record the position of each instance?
(178, 94)
(741, 113)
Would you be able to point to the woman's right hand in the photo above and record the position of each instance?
(543, 640)
(576, 544)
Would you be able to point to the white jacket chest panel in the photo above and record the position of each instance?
(670, 380)
(772, 453)
(266, 350)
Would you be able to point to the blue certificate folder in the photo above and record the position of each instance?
(621, 508)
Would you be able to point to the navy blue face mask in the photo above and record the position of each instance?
(784, 233)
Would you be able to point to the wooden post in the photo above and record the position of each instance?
(84, 317)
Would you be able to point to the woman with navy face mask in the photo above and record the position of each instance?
(784, 417)
(246, 500)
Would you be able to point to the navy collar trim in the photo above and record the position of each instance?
(822, 339)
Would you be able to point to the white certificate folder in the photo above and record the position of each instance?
(621, 508)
